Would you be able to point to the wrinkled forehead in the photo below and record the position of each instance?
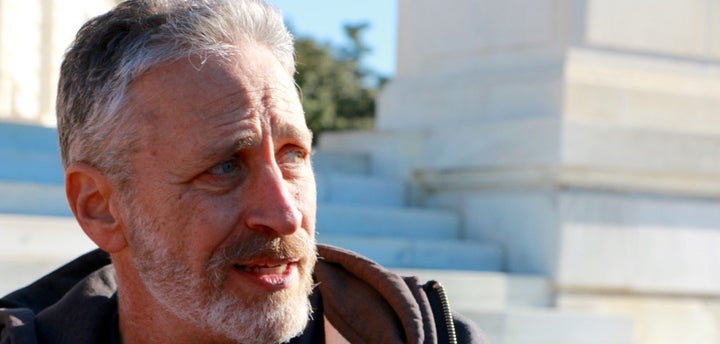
(205, 92)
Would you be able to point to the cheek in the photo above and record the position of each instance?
(213, 217)
(198, 225)
(306, 196)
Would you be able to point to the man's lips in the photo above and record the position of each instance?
(274, 275)
(265, 269)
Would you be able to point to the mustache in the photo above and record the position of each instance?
(258, 246)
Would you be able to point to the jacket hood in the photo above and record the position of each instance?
(361, 298)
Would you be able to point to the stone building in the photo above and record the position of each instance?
(33, 36)
(582, 136)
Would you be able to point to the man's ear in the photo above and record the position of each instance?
(91, 196)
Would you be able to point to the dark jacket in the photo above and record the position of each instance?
(356, 300)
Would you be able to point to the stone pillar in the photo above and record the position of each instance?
(33, 37)
(582, 135)
(19, 57)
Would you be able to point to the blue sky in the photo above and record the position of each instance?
(324, 19)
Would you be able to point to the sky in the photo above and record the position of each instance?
(323, 20)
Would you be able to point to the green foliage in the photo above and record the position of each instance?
(338, 93)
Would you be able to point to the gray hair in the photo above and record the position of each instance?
(112, 50)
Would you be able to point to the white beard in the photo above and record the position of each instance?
(200, 299)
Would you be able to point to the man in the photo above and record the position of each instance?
(187, 161)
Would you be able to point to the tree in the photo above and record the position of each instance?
(338, 92)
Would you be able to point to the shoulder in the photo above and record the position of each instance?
(17, 326)
(60, 304)
(51, 288)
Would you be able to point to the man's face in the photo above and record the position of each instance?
(221, 211)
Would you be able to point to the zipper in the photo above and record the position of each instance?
(439, 301)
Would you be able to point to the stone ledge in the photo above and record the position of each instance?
(657, 319)
(33, 198)
(582, 177)
(41, 238)
(665, 259)
(541, 326)
(471, 291)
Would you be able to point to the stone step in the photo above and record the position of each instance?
(33, 199)
(31, 167)
(347, 189)
(416, 223)
(473, 291)
(29, 153)
(326, 162)
(41, 237)
(32, 246)
(15, 137)
(422, 254)
(546, 326)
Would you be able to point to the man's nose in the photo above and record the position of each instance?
(273, 207)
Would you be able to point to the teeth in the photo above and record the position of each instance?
(265, 270)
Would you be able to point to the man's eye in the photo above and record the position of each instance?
(225, 167)
(295, 156)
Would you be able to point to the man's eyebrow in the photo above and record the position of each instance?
(289, 131)
(246, 141)
(230, 147)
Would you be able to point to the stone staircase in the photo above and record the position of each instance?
(370, 215)
(357, 210)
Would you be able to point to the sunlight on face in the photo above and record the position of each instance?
(221, 215)
(273, 318)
